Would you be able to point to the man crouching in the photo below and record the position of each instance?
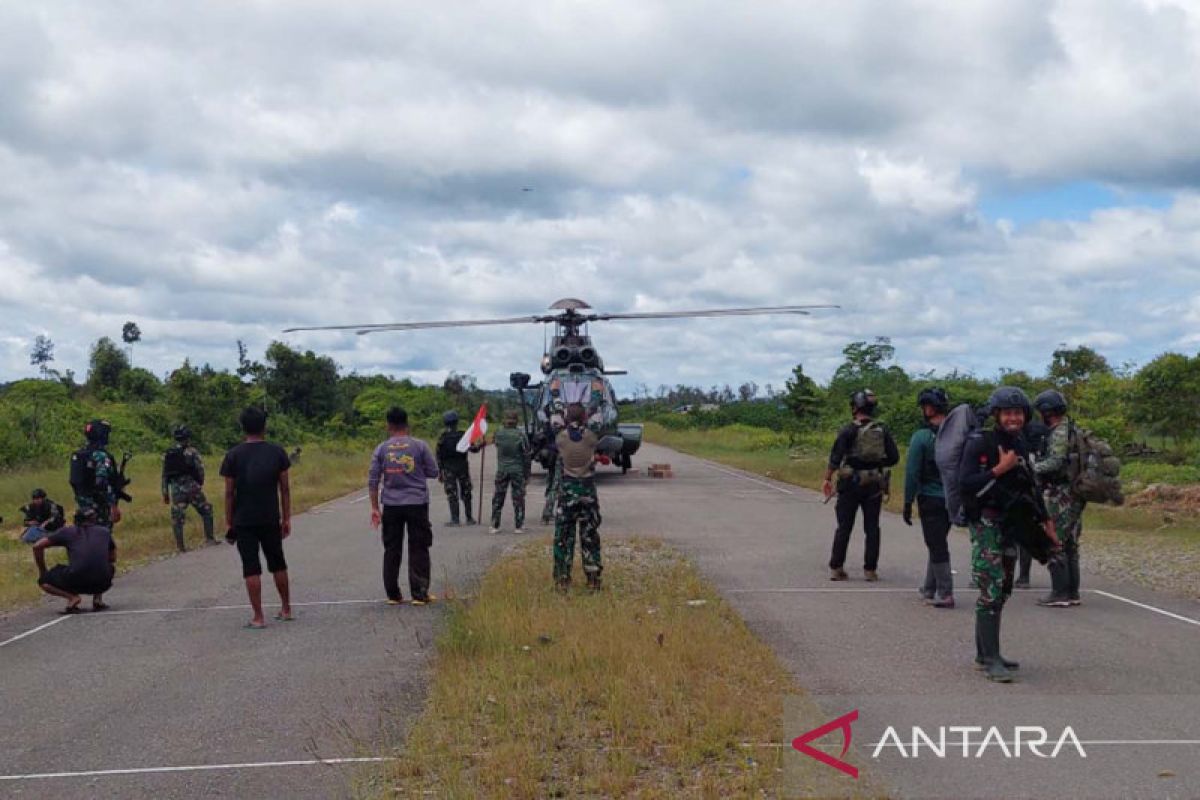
(91, 562)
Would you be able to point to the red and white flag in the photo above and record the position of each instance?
(475, 432)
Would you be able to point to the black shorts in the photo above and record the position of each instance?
(61, 577)
(252, 537)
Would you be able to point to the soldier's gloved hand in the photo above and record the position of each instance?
(907, 514)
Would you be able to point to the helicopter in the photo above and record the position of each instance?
(573, 371)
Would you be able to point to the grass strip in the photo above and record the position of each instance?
(652, 688)
(323, 473)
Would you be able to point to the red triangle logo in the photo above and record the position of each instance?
(842, 723)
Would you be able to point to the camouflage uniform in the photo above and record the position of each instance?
(579, 506)
(184, 490)
(511, 448)
(553, 480)
(1063, 506)
(102, 497)
(456, 473)
(989, 566)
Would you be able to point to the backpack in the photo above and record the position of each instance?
(948, 444)
(1092, 469)
(83, 472)
(870, 445)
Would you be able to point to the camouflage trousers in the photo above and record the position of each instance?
(506, 478)
(457, 483)
(101, 507)
(553, 480)
(187, 493)
(1067, 512)
(578, 507)
(991, 568)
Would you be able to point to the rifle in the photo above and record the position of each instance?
(121, 480)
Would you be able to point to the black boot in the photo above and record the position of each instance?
(987, 628)
(467, 509)
(927, 589)
(1025, 561)
(1058, 597)
(980, 658)
(944, 586)
(1073, 576)
(453, 512)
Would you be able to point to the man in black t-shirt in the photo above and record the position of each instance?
(91, 562)
(256, 488)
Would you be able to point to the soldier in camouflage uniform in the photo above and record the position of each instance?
(93, 475)
(1000, 494)
(1062, 504)
(183, 486)
(454, 470)
(512, 449)
(578, 504)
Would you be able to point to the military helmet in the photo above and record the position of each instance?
(450, 418)
(97, 431)
(1010, 397)
(182, 433)
(934, 396)
(1050, 401)
(37, 494)
(863, 400)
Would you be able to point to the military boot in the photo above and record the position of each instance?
(980, 659)
(1073, 577)
(987, 627)
(944, 581)
(1059, 596)
(927, 589)
(593, 581)
(453, 523)
(179, 545)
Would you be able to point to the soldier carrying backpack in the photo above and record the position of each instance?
(1076, 467)
(861, 456)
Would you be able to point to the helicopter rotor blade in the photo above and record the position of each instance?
(714, 312)
(412, 326)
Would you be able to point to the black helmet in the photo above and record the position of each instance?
(182, 433)
(863, 400)
(38, 493)
(934, 396)
(450, 418)
(1050, 401)
(1010, 397)
(97, 431)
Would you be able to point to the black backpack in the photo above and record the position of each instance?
(83, 472)
(176, 464)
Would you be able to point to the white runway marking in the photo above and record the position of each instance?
(747, 478)
(359, 499)
(1155, 609)
(244, 606)
(817, 590)
(196, 768)
(32, 631)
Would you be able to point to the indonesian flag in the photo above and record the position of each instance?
(475, 432)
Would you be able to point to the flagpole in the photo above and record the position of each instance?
(482, 462)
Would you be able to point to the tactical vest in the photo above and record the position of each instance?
(176, 464)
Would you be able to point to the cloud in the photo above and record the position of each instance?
(227, 172)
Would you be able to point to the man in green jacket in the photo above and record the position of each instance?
(512, 449)
(923, 483)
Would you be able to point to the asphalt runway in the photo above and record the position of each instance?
(166, 696)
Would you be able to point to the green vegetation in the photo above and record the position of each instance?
(653, 688)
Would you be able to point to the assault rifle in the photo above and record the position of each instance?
(121, 480)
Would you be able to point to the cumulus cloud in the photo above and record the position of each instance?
(236, 169)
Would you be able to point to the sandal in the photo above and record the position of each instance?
(75, 609)
(253, 627)
(281, 617)
(99, 606)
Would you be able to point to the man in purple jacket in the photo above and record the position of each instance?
(402, 465)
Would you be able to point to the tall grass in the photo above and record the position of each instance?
(323, 472)
(653, 688)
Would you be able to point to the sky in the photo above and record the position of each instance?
(978, 181)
